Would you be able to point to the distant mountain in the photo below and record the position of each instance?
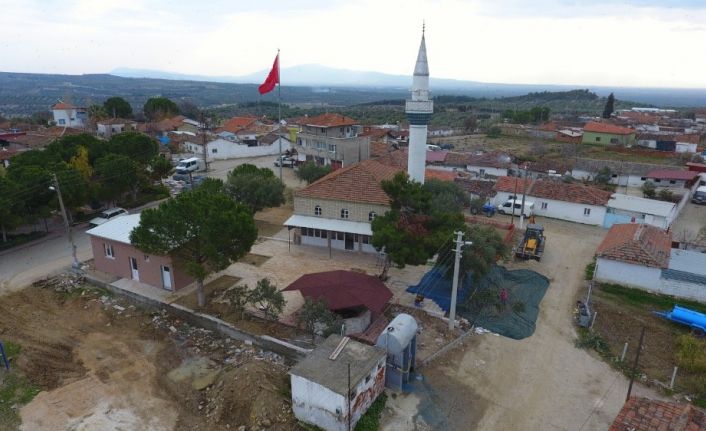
(318, 76)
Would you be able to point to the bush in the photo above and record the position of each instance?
(590, 269)
(494, 132)
(649, 190)
(370, 421)
(691, 354)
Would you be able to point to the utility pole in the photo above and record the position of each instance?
(634, 366)
(454, 286)
(74, 263)
(524, 193)
(202, 126)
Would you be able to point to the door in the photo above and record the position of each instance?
(350, 241)
(133, 268)
(166, 278)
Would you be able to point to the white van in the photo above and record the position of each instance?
(193, 164)
(506, 208)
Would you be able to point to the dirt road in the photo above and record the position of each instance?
(542, 382)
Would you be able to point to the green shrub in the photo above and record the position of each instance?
(590, 269)
(691, 354)
(370, 421)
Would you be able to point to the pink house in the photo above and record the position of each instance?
(113, 253)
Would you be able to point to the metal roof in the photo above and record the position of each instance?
(329, 224)
(117, 229)
(640, 205)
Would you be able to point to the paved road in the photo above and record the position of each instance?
(23, 265)
(28, 263)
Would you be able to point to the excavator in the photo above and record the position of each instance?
(532, 244)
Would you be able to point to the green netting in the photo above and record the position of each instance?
(514, 317)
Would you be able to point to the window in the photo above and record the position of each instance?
(340, 236)
(365, 239)
(344, 213)
(598, 139)
(672, 182)
(372, 215)
(147, 257)
(587, 211)
(331, 148)
(614, 140)
(109, 252)
(214, 150)
(367, 378)
(643, 178)
(658, 181)
(481, 171)
(544, 205)
(317, 210)
(61, 121)
(614, 176)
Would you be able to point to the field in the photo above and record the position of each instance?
(623, 312)
(88, 361)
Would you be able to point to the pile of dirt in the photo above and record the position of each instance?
(255, 395)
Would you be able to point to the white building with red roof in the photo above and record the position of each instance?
(641, 256)
(68, 115)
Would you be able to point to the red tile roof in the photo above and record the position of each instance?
(642, 414)
(493, 159)
(570, 192)
(237, 123)
(672, 174)
(342, 290)
(638, 244)
(612, 129)
(458, 159)
(512, 184)
(330, 120)
(359, 182)
(689, 138)
(63, 105)
(435, 174)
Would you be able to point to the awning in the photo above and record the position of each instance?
(329, 224)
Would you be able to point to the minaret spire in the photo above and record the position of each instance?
(419, 110)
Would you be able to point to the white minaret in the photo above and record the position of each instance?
(419, 110)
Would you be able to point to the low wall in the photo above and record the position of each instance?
(289, 351)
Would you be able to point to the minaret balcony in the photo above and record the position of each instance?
(419, 106)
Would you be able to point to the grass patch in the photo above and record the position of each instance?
(641, 298)
(23, 238)
(593, 341)
(370, 421)
(15, 390)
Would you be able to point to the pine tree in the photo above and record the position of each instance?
(608, 110)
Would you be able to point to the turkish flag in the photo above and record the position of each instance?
(272, 78)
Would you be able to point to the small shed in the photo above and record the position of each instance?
(337, 382)
(399, 340)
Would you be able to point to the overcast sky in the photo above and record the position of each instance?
(655, 43)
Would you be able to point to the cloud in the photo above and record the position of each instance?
(631, 42)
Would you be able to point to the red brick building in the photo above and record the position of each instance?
(113, 253)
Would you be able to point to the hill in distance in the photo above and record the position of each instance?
(314, 75)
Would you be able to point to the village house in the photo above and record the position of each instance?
(622, 209)
(672, 178)
(113, 126)
(509, 188)
(679, 143)
(493, 163)
(114, 254)
(574, 202)
(221, 149)
(336, 210)
(321, 394)
(332, 139)
(68, 115)
(640, 256)
(623, 174)
(607, 134)
(569, 136)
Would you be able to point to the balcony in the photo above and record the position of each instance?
(419, 106)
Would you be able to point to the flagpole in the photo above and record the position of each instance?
(279, 116)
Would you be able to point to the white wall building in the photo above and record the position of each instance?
(640, 256)
(114, 126)
(68, 115)
(419, 110)
(220, 149)
(633, 209)
(321, 395)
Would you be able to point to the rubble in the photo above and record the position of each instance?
(66, 282)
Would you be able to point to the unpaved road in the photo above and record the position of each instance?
(542, 382)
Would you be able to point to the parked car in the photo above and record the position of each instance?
(193, 164)
(285, 161)
(699, 195)
(446, 146)
(107, 215)
(506, 208)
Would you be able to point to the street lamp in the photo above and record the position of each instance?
(74, 264)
